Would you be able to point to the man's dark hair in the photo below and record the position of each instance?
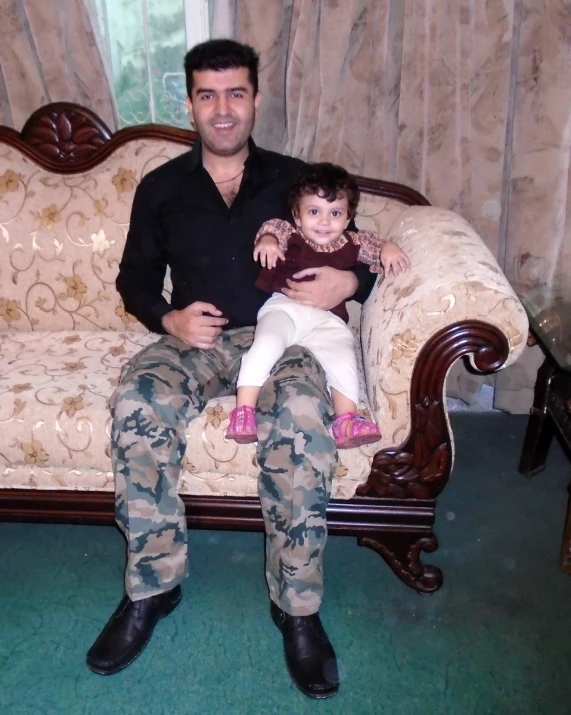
(221, 55)
(328, 181)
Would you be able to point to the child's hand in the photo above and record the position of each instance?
(267, 251)
(393, 258)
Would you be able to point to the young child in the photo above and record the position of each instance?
(323, 201)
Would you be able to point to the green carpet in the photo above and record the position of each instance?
(495, 640)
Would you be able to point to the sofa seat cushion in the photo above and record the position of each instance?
(54, 396)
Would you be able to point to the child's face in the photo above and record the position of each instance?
(320, 220)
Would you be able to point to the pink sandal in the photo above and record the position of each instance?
(242, 427)
(352, 430)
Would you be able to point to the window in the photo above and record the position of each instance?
(145, 42)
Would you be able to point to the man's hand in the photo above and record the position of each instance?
(329, 288)
(197, 325)
(267, 251)
(393, 259)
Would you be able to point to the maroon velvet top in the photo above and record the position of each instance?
(300, 255)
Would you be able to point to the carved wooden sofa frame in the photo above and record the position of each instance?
(393, 513)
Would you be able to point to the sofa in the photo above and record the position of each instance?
(66, 187)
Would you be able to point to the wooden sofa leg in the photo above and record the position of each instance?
(402, 553)
(417, 471)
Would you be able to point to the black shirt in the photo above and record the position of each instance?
(179, 219)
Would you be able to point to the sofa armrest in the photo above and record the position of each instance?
(453, 300)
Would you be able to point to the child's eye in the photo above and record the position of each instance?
(313, 212)
(336, 214)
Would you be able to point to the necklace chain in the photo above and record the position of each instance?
(227, 180)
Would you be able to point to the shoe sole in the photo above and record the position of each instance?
(95, 669)
(243, 438)
(307, 693)
(358, 441)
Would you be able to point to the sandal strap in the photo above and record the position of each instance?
(243, 419)
(346, 416)
(350, 424)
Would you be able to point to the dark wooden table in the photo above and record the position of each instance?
(550, 326)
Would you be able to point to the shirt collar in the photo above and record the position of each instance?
(253, 162)
(335, 245)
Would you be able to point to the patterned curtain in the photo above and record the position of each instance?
(467, 101)
(49, 51)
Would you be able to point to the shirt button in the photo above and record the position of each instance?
(233, 258)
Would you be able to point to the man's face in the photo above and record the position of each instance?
(223, 109)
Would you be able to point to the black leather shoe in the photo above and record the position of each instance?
(129, 630)
(309, 655)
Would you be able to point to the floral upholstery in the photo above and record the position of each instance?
(54, 394)
(453, 277)
(64, 333)
(64, 237)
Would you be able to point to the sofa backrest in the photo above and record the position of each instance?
(66, 189)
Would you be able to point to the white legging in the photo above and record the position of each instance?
(282, 323)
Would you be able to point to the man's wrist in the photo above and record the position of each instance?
(166, 320)
(352, 284)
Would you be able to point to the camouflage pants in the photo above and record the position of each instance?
(162, 389)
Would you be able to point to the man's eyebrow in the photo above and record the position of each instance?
(205, 90)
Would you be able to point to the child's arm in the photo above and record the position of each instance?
(382, 256)
(281, 230)
(393, 258)
(370, 246)
(271, 242)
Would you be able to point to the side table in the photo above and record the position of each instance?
(550, 325)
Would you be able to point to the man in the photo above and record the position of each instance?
(199, 214)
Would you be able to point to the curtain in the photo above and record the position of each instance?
(221, 16)
(49, 51)
(536, 236)
(467, 101)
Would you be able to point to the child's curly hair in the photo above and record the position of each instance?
(329, 181)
